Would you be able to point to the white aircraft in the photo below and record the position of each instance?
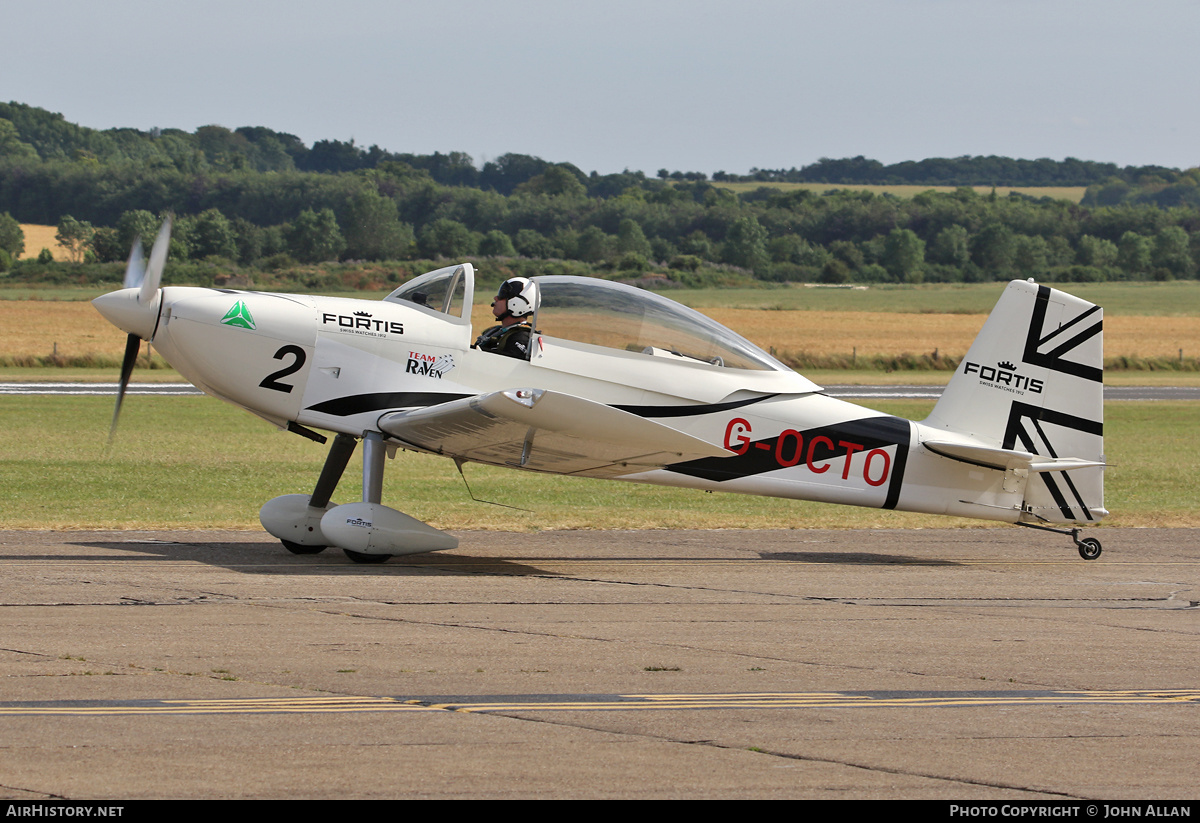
(624, 384)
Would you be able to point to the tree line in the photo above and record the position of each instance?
(254, 197)
(960, 171)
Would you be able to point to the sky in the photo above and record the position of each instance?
(687, 85)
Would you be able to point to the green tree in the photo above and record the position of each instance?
(1030, 255)
(1134, 254)
(631, 238)
(1097, 252)
(992, 250)
(698, 244)
(314, 237)
(789, 248)
(447, 238)
(531, 243)
(848, 253)
(106, 244)
(1170, 256)
(12, 239)
(951, 247)
(212, 235)
(1059, 251)
(75, 236)
(372, 227)
(594, 245)
(134, 224)
(223, 148)
(835, 271)
(554, 181)
(496, 244)
(746, 243)
(508, 171)
(904, 256)
(11, 147)
(632, 261)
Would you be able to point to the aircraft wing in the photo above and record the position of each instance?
(546, 431)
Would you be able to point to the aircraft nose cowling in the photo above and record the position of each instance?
(124, 310)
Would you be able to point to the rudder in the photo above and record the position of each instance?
(1033, 381)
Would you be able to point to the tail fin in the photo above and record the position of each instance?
(1033, 381)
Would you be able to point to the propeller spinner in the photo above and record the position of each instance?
(135, 308)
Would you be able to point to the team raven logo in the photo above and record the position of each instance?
(428, 365)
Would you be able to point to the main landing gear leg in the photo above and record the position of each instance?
(1089, 547)
(374, 454)
(335, 465)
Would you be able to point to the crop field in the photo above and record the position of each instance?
(41, 329)
(190, 462)
(42, 237)
(1178, 298)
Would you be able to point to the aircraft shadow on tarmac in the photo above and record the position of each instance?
(256, 557)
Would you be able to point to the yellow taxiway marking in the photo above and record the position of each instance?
(575, 703)
(252, 705)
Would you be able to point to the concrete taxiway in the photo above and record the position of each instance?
(944, 664)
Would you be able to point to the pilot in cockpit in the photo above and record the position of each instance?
(513, 306)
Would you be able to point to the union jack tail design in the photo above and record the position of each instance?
(1033, 383)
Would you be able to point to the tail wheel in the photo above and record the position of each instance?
(1089, 548)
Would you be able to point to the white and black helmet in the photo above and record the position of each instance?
(521, 294)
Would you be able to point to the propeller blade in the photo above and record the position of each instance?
(158, 258)
(135, 271)
(133, 344)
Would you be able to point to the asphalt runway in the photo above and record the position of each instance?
(940, 664)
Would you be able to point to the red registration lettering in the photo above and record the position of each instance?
(812, 447)
(742, 428)
(789, 451)
(887, 466)
(851, 448)
(796, 453)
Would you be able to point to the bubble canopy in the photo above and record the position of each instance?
(613, 315)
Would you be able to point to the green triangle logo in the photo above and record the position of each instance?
(239, 316)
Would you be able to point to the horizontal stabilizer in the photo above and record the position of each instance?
(546, 431)
(1005, 459)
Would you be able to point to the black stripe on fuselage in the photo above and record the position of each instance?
(380, 401)
(692, 410)
(760, 455)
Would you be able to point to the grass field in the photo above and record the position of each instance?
(198, 463)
